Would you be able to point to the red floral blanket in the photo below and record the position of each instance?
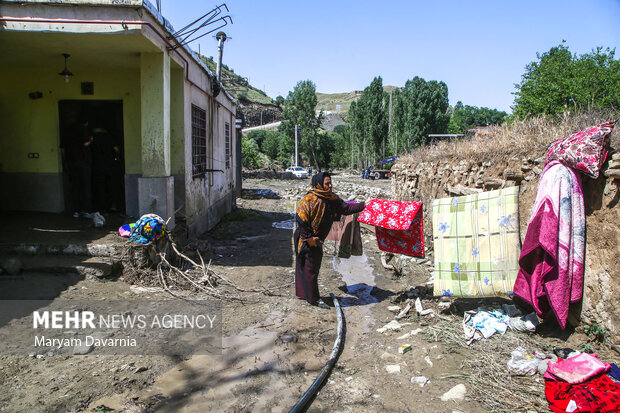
(398, 225)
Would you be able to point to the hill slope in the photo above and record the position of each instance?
(331, 101)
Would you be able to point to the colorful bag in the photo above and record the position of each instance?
(148, 228)
(584, 151)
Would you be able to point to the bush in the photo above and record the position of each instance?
(249, 154)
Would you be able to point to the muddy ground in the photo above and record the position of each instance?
(275, 345)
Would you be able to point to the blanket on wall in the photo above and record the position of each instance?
(477, 244)
(552, 259)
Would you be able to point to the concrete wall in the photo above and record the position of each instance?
(32, 126)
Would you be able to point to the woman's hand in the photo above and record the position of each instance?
(313, 242)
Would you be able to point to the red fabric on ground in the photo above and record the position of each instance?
(597, 395)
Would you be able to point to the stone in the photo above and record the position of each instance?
(493, 183)
(420, 380)
(391, 326)
(83, 349)
(140, 369)
(458, 392)
(612, 173)
(392, 368)
(512, 175)
(394, 309)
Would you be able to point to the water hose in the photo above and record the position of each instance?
(308, 396)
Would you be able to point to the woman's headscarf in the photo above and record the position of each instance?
(312, 206)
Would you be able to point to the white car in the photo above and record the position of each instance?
(298, 171)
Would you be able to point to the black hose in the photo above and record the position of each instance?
(312, 390)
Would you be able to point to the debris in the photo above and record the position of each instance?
(392, 368)
(410, 334)
(391, 326)
(420, 380)
(525, 323)
(140, 369)
(404, 312)
(404, 348)
(427, 359)
(420, 310)
(394, 309)
(456, 393)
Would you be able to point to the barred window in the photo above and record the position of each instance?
(199, 141)
(227, 143)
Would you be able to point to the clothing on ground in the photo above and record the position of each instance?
(597, 395)
(552, 258)
(398, 225)
(315, 215)
(576, 369)
(477, 245)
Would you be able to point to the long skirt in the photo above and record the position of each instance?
(307, 268)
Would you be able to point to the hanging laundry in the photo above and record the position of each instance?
(398, 225)
(344, 238)
(597, 395)
(551, 273)
(477, 245)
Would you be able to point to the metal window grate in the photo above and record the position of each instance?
(199, 141)
(227, 143)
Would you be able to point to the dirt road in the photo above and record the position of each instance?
(273, 345)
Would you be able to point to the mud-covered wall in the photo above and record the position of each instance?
(426, 181)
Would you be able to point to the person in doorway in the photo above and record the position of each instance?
(106, 170)
(75, 150)
(315, 216)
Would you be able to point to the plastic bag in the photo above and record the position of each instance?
(98, 220)
(522, 363)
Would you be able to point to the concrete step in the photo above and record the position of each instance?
(88, 267)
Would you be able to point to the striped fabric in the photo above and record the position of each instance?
(476, 243)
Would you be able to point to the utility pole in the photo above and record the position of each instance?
(221, 38)
(296, 137)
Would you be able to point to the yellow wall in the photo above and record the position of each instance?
(28, 125)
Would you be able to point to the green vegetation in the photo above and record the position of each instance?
(249, 154)
(561, 81)
(465, 117)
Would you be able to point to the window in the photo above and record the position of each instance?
(227, 143)
(199, 141)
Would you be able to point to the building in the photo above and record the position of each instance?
(128, 75)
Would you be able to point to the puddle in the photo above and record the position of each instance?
(288, 224)
(357, 275)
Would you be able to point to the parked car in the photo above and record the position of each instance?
(298, 171)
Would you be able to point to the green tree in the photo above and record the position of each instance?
(279, 100)
(425, 110)
(465, 117)
(258, 136)
(300, 109)
(249, 154)
(560, 81)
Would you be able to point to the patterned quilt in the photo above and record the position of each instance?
(398, 225)
(477, 244)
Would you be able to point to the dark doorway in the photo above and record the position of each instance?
(100, 123)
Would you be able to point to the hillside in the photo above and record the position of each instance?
(329, 101)
(237, 85)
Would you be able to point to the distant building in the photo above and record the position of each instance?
(176, 128)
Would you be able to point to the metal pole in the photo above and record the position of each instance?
(221, 37)
(296, 133)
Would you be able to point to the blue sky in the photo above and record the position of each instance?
(478, 48)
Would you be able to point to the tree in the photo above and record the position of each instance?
(279, 100)
(249, 154)
(561, 81)
(425, 110)
(300, 109)
(465, 117)
(258, 136)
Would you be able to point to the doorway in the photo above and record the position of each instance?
(100, 122)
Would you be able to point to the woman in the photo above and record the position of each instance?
(315, 215)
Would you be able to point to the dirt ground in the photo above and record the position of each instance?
(274, 346)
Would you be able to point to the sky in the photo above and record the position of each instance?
(478, 48)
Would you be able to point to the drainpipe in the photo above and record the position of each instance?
(221, 38)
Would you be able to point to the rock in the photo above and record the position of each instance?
(458, 190)
(493, 183)
(83, 349)
(140, 369)
(420, 380)
(456, 393)
(392, 368)
(410, 334)
(511, 175)
(391, 326)
(612, 173)
(12, 265)
(394, 309)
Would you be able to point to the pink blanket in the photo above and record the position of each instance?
(552, 257)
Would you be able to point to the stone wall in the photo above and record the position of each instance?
(429, 180)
